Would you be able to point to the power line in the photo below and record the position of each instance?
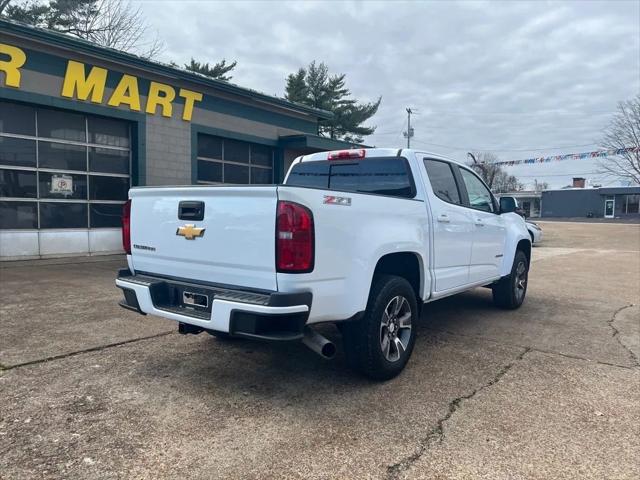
(443, 146)
(523, 149)
(399, 135)
(530, 149)
(556, 175)
(387, 133)
(468, 113)
(393, 132)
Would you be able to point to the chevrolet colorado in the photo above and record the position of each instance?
(362, 238)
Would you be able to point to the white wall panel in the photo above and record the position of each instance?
(18, 244)
(64, 242)
(105, 240)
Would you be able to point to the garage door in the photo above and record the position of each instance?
(63, 179)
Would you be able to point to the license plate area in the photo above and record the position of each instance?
(195, 299)
(170, 295)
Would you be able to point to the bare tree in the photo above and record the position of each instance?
(486, 165)
(110, 23)
(3, 5)
(540, 186)
(623, 134)
(505, 183)
(117, 24)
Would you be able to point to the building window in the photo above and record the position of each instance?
(631, 204)
(226, 161)
(61, 169)
(18, 215)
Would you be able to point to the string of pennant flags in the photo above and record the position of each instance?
(571, 156)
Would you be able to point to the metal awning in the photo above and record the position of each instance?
(314, 143)
(619, 191)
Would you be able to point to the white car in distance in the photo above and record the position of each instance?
(535, 232)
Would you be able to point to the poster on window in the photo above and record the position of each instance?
(62, 184)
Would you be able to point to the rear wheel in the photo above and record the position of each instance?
(379, 345)
(510, 291)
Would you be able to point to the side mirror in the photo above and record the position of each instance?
(508, 205)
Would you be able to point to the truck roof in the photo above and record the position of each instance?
(376, 152)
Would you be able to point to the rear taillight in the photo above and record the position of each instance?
(126, 227)
(294, 238)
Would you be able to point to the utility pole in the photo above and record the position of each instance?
(409, 133)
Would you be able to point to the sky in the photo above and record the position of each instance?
(519, 79)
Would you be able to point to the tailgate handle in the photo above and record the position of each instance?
(191, 210)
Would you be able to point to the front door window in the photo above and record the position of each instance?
(479, 195)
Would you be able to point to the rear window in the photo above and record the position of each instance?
(380, 176)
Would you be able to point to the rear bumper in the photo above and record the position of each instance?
(265, 316)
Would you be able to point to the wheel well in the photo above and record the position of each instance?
(403, 264)
(525, 247)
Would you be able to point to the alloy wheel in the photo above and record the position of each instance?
(521, 281)
(395, 328)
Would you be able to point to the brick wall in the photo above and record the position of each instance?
(168, 154)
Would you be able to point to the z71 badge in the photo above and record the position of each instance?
(332, 200)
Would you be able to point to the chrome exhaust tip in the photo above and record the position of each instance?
(319, 344)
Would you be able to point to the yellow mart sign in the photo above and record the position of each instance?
(90, 86)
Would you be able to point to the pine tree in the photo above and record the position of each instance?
(296, 87)
(315, 87)
(218, 71)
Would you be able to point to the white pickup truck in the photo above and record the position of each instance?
(358, 237)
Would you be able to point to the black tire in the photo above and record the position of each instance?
(364, 339)
(510, 291)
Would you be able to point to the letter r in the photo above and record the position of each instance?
(11, 67)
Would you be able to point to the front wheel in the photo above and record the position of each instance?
(379, 345)
(510, 291)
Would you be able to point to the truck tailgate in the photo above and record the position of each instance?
(237, 246)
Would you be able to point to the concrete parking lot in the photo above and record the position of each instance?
(89, 390)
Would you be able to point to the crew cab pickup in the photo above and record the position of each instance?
(362, 238)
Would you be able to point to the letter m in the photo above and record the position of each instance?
(84, 86)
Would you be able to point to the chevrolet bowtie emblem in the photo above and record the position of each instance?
(190, 231)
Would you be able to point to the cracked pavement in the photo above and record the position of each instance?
(551, 390)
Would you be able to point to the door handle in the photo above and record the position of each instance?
(443, 218)
(191, 210)
(479, 222)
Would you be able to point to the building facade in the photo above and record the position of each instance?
(80, 124)
(604, 202)
(528, 201)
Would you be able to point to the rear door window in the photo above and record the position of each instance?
(380, 176)
(442, 181)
